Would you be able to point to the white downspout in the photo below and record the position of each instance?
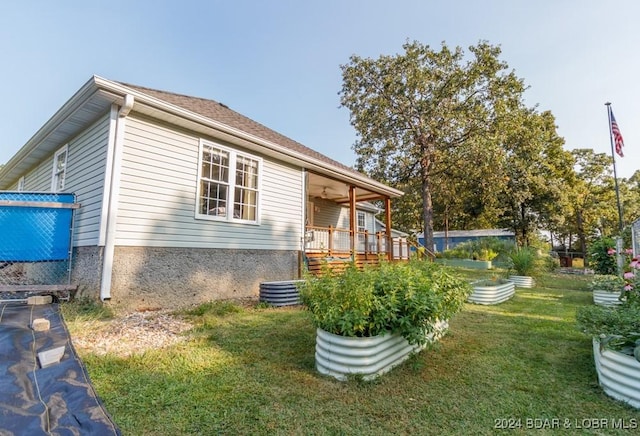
(305, 212)
(114, 161)
(108, 171)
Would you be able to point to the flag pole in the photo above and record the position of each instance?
(615, 176)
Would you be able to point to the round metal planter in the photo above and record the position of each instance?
(283, 293)
(618, 374)
(522, 281)
(484, 293)
(370, 357)
(605, 298)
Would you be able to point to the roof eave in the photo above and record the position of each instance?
(305, 161)
(18, 164)
(118, 91)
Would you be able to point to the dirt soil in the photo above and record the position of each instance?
(132, 333)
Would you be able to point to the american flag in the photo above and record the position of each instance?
(617, 136)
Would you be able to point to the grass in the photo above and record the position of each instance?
(250, 370)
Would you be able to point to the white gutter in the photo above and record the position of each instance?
(112, 189)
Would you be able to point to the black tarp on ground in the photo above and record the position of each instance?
(56, 400)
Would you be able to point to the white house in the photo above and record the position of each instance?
(184, 200)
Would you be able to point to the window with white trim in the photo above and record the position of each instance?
(21, 184)
(228, 184)
(362, 223)
(59, 169)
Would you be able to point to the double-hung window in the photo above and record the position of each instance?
(362, 224)
(228, 184)
(361, 228)
(59, 172)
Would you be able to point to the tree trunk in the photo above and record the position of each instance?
(446, 228)
(581, 236)
(427, 204)
(523, 224)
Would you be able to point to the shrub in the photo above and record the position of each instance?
(550, 263)
(599, 258)
(524, 261)
(405, 298)
(479, 249)
(617, 328)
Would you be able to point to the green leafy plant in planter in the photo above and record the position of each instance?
(524, 261)
(618, 328)
(615, 333)
(607, 282)
(404, 298)
(493, 281)
(485, 249)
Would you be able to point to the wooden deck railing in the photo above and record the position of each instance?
(333, 245)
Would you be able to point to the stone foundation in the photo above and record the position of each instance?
(86, 271)
(150, 278)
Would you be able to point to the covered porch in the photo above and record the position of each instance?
(343, 224)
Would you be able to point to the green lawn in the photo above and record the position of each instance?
(251, 371)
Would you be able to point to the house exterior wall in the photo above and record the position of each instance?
(336, 215)
(163, 255)
(157, 197)
(84, 177)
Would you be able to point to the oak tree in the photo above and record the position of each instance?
(424, 113)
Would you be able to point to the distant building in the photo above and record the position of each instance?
(455, 237)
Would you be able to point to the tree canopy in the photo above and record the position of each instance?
(451, 130)
(429, 113)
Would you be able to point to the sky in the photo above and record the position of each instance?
(278, 61)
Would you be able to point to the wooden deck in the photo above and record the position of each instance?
(337, 248)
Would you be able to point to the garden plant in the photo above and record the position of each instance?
(404, 298)
(617, 328)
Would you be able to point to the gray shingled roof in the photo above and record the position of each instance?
(221, 113)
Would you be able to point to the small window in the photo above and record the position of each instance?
(21, 184)
(228, 184)
(59, 170)
(362, 223)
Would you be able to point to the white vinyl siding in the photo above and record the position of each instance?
(336, 215)
(39, 179)
(157, 197)
(84, 177)
(59, 170)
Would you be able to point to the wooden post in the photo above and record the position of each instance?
(353, 223)
(330, 240)
(387, 210)
(366, 242)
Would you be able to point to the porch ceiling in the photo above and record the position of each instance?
(338, 191)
